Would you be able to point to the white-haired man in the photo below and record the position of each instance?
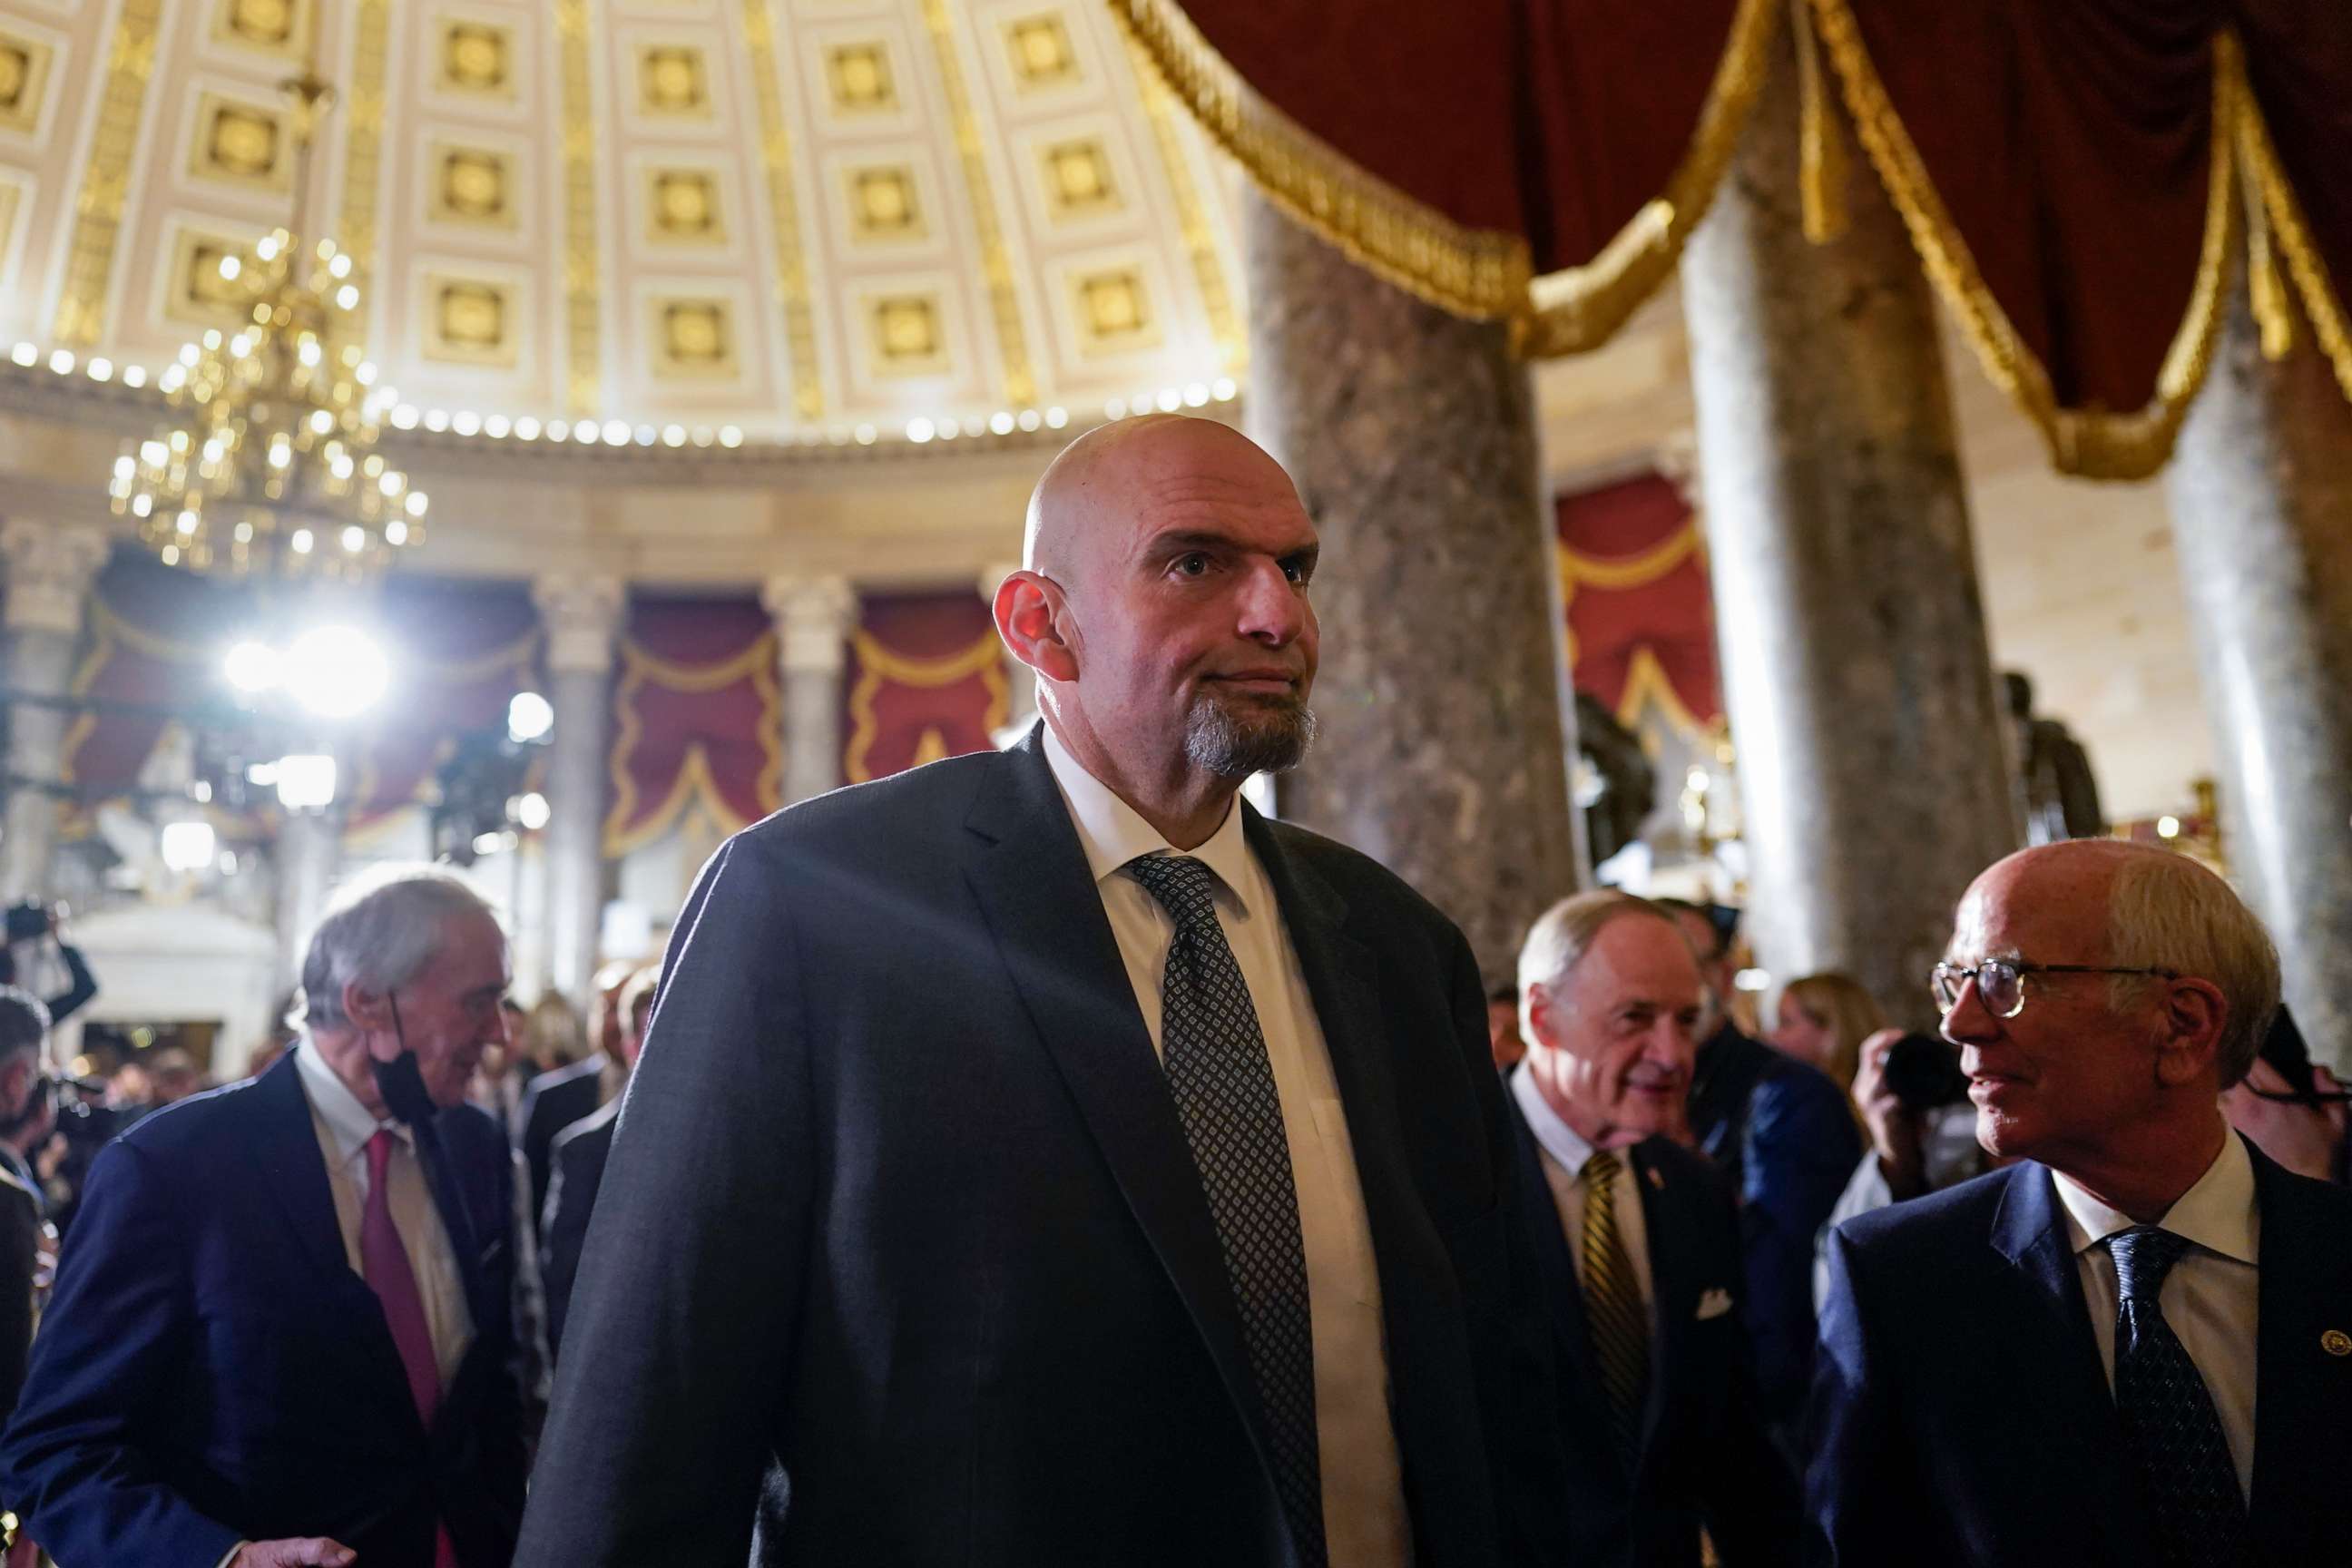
(2064, 1362)
(280, 1334)
(1639, 1250)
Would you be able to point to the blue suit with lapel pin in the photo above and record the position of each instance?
(901, 1218)
(1961, 1416)
(210, 1369)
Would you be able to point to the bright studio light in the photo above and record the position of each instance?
(335, 672)
(531, 811)
(529, 716)
(251, 667)
(306, 782)
(188, 845)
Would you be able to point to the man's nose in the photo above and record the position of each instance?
(1970, 1021)
(1272, 608)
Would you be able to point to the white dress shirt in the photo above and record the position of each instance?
(2211, 1297)
(1364, 1520)
(344, 1126)
(1564, 1152)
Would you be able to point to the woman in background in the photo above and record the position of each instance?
(1824, 1019)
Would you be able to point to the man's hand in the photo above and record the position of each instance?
(309, 1551)
(1898, 1134)
(2303, 1138)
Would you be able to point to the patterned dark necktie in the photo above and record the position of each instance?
(1613, 1314)
(2170, 1425)
(1223, 1088)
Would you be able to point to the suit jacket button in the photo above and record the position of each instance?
(2335, 1342)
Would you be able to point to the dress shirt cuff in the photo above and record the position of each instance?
(230, 1556)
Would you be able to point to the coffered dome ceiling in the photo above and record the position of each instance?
(794, 216)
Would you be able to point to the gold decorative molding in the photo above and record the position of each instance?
(364, 107)
(584, 333)
(24, 65)
(2274, 198)
(105, 182)
(792, 265)
(995, 255)
(1200, 236)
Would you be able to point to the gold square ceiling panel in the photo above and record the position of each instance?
(473, 185)
(242, 143)
(1113, 308)
(477, 57)
(469, 320)
(859, 75)
(280, 27)
(24, 81)
(694, 339)
(682, 207)
(199, 294)
(673, 80)
(1041, 52)
(1077, 179)
(883, 205)
(906, 336)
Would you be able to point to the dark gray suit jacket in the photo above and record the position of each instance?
(901, 1216)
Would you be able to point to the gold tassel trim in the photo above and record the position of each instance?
(1822, 158)
(2292, 237)
(2091, 442)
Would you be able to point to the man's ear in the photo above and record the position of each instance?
(1539, 1017)
(368, 1010)
(2194, 1013)
(1031, 618)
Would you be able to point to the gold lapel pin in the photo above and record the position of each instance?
(2335, 1342)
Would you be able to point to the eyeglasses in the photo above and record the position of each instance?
(2000, 981)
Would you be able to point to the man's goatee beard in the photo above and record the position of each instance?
(1232, 747)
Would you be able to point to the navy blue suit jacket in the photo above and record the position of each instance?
(899, 1209)
(1961, 1415)
(1784, 1135)
(1705, 1458)
(210, 1368)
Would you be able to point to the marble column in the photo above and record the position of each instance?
(1020, 680)
(308, 856)
(50, 569)
(2260, 493)
(814, 617)
(1856, 673)
(1445, 747)
(582, 617)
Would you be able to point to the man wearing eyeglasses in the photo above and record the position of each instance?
(2063, 1362)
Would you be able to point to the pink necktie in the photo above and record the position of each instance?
(383, 1263)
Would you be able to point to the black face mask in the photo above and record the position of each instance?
(400, 1082)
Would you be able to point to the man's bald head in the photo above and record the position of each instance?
(1085, 497)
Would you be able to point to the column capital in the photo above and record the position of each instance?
(582, 615)
(51, 569)
(814, 617)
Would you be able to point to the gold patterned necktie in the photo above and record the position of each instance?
(1614, 1314)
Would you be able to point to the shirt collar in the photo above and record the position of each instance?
(2218, 1214)
(1557, 1139)
(1113, 833)
(347, 1121)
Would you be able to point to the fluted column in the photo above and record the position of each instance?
(308, 855)
(1855, 668)
(1446, 744)
(2261, 492)
(50, 569)
(582, 617)
(1020, 680)
(814, 617)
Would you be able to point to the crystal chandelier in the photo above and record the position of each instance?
(270, 466)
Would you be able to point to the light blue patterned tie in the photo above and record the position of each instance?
(1215, 1054)
(2168, 1420)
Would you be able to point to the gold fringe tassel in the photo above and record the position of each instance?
(1822, 156)
(2321, 303)
(2093, 443)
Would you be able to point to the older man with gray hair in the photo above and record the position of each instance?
(2131, 1346)
(280, 1334)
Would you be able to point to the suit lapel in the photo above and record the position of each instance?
(2303, 1446)
(2057, 1357)
(1027, 868)
(1674, 1284)
(443, 1180)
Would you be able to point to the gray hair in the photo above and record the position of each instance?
(381, 930)
(1565, 932)
(2166, 912)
